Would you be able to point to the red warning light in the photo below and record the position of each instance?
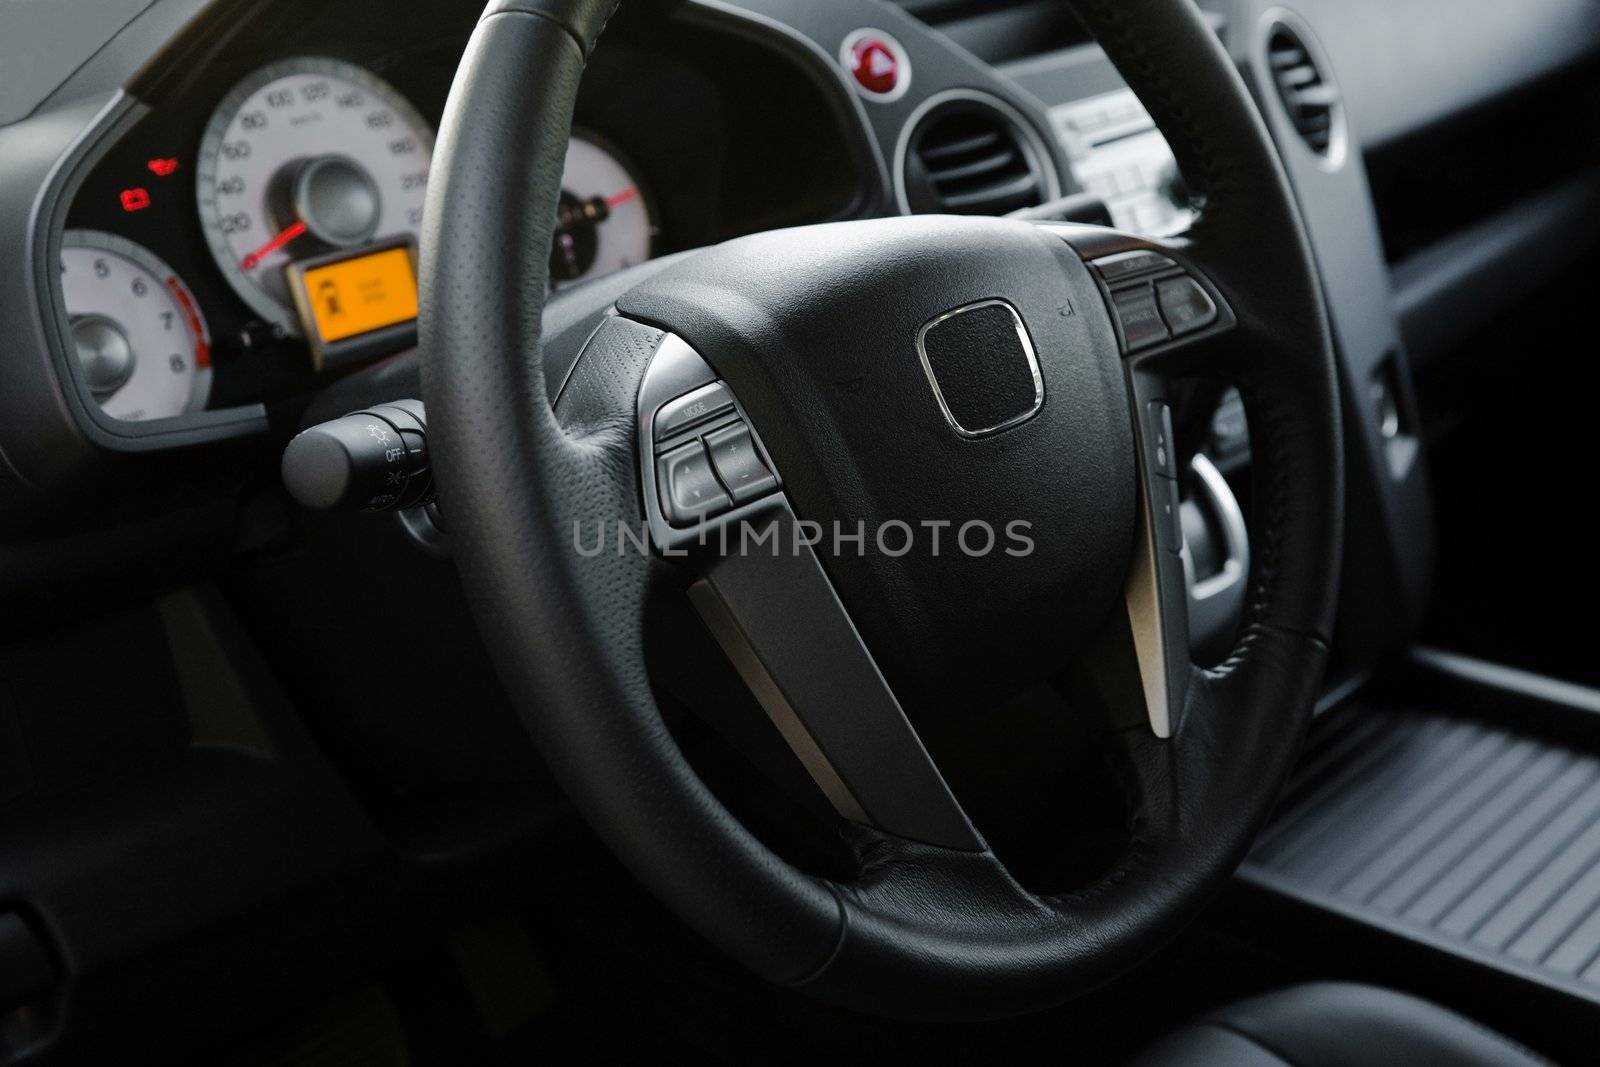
(135, 199)
(162, 167)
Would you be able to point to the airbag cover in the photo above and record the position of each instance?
(982, 556)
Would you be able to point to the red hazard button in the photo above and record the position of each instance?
(877, 63)
(875, 67)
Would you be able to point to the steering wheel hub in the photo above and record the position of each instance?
(970, 561)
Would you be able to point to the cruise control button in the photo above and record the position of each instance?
(692, 408)
(738, 464)
(1186, 305)
(1127, 264)
(1158, 437)
(1141, 321)
(688, 488)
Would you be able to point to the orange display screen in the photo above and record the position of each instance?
(361, 294)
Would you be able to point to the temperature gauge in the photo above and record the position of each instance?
(142, 347)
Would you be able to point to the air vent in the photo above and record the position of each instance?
(968, 157)
(1310, 99)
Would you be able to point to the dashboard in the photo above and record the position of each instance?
(216, 209)
(208, 223)
(236, 227)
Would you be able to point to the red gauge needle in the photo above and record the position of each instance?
(621, 198)
(289, 233)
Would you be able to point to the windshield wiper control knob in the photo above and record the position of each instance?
(371, 460)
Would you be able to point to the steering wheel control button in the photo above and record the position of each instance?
(1140, 318)
(689, 488)
(1185, 305)
(692, 409)
(1162, 462)
(981, 364)
(738, 464)
(1125, 265)
(1158, 435)
(878, 65)
(1167, 514)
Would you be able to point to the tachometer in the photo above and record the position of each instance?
(142, 346)
(604, 223)
(304, 156)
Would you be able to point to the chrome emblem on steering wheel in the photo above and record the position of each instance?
(981, 364)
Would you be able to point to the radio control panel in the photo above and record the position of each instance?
(1117, 154)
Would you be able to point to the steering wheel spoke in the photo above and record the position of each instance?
(1170, 319)
(1155, 639)
(714, 501)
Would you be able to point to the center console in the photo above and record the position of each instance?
(1117, 154)
(1446, 821)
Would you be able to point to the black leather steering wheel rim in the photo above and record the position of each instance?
(924, 931)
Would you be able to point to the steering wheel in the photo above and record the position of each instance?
(881, 371)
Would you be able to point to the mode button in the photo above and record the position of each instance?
(692, 409)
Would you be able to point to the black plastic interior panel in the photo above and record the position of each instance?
(75, 34)
(1389, 549)
(1448, 292)
(1000, 30)
(1421, 817)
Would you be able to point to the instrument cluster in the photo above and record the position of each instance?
(306, 191)
(254, 229)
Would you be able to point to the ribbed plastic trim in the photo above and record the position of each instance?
(1457, 833)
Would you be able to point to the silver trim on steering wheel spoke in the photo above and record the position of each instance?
(1156, 593)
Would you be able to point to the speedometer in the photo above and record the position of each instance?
(305, 156)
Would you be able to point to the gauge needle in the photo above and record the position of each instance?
(289, 233)
(573, 212)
